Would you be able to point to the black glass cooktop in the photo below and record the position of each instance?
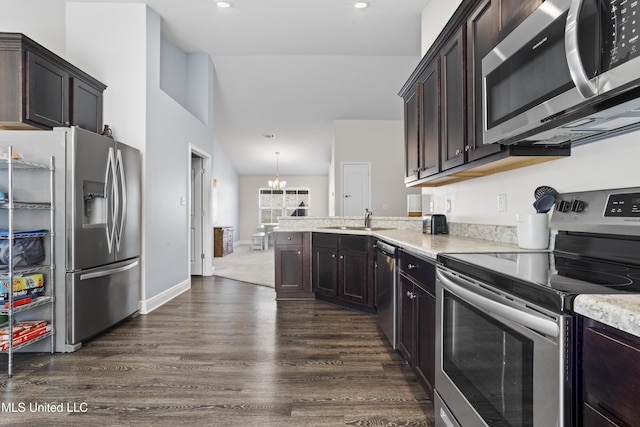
(552, 280)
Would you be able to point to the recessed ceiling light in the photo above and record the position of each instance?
(223, 4)
(360, 4)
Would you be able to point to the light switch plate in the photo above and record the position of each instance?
(502, 202)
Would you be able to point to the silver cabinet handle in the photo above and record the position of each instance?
(458, 152)
(412, 267)
(537, 323)
(576, 68)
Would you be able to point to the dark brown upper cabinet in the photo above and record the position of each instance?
(429, 101)
(443, 101)
(411, 148)
(482, 37)
(40, 90)
(453, 102)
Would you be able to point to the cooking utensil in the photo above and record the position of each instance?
(544, 189)
(544, 203)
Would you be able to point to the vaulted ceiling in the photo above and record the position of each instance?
(291, 68)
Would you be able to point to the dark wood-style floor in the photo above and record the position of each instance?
(223, 354)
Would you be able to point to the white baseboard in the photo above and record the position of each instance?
(151, 304)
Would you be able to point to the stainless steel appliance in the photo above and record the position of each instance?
(103, 225)
(434, 224)
(386, 293)
(569, 72)
(505, 324)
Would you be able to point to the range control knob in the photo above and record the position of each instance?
(563, 206)
(577, 205)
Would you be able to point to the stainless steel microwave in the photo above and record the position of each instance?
(570, 71)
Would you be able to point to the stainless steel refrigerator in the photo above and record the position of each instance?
(103, 233)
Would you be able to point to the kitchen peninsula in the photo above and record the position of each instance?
(295, 264)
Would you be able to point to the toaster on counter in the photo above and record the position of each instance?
(434, 224)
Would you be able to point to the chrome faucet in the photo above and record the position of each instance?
(367, 218)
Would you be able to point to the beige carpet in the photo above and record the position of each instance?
(247, 265)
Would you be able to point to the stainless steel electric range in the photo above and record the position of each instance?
(505, 322)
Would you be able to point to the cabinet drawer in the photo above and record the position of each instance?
(611, 374)
(326, 240)
(355, 243)
(288, 238)
(418, 269)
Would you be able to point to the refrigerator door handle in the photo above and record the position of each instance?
(109, 272)
(123, 198)
(111, 193)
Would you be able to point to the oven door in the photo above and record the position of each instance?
(533, 77)
(498, 361)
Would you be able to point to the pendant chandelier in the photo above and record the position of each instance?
(276, 183)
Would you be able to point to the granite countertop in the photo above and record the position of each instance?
(619, 311)
(427, 245)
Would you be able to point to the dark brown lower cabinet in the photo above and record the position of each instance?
(417, 317)
(610, 376)
(292, 265)
(344, 269)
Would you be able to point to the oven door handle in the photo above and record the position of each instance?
(535, 322)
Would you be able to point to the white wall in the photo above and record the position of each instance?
(122, 49)
(41, 20)
(249, 186)
(380, 142)
(611, 163)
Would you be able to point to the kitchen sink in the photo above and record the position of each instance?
(343, 227)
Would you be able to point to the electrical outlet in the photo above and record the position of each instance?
(431, 207)
(447, 206)
(502, 202)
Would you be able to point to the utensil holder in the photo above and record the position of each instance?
(533, 230)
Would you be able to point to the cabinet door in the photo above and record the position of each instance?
(86, 109)
(354, 276)
(325, 270)
(482, 37)
(425, 324)
(453, 102)
(289, 274)
(429, 120)
(406, 335)
(611, 376)
(47, 101)
(411, 150)
(512, 13)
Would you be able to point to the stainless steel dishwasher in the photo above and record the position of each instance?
(386, 294)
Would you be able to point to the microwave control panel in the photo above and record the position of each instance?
(621, 33)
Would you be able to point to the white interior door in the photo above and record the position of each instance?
(197, 215)
(356, 183)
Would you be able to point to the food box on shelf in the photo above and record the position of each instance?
(34, 333)
(22, 283)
